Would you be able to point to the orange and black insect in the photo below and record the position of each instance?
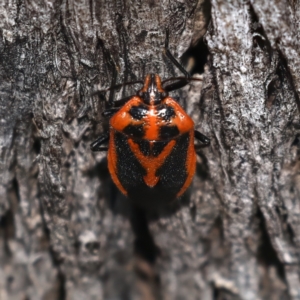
(151, 152)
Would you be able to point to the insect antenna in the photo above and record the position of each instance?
(182, 78)
(117, 87)
(181, 82)
(172, 58)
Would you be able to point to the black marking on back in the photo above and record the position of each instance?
(154, 150)
(129, 170)
(138, 112)
(158, 147)
(165, 112)
(136, 131)
(168, 132)
(172, 174)
(144, 146)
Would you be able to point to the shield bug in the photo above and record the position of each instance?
(151, 152)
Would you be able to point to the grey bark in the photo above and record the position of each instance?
(65, 231)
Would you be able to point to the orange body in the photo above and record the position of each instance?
(155, 138)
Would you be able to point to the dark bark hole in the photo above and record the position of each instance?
(272, 92)
(144, 244)
(92, 247)
(284, 72)
(198, 55)
(223, 294)
(36, 146)
(266, 253)
(15, 189)
(275, 86)
(258, 41)
(62, 295)
(193, 212)
(296, 142)
(7, 221)
(202, 168)
(7, 230)
(260, 38)
(291, 233)
(140, 38)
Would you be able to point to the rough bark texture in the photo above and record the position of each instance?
(64, 228)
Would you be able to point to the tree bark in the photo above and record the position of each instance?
(65, 230)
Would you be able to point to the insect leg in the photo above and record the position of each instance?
(202, 138)
(122, 101)
(96, 145)
(176, 85)
(182, 81)
(172, 58)
(108, 113)
(113, 82)
(113, 86)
